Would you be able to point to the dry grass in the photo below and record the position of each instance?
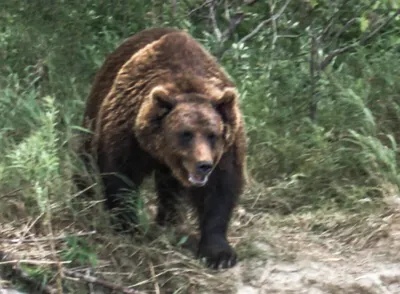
(156, 263)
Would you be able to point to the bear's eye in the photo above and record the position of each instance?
(185, 136)
(212, 138)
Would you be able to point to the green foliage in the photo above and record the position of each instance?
(36, 273)
(79, 252)
(340, 159)
(345, 158)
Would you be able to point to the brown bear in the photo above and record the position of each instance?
(160, 103)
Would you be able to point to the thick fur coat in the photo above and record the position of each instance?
(161, 103)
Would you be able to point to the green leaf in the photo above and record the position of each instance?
(364, 23)
(313, 3)
(183, 240)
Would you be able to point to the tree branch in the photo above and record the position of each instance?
(313, 54)
(45, 239)
(345, 27)
(363, 41)
(274, 39)
(332, 20)
(104, 283)
(197, 8)
(10, 258)
(217, 31)
(376, 30)
(315, 71)
(263, 23)
(249, 2)
(234, 22)
(257, 28)
(18, 271)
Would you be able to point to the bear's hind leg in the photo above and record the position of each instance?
(121, 199)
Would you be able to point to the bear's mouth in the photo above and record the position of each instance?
(198, 181)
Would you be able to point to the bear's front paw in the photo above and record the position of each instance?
(217, 253)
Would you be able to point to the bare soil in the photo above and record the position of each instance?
(348, 255)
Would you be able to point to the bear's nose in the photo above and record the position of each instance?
(204, 167)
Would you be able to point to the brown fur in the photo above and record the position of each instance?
(156, 87)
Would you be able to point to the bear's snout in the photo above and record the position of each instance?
(203, 168)
(199, 174)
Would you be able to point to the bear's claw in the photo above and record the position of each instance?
(217, 254)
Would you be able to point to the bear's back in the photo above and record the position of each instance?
(105, 77)
(183, 55)
(152, 57)
(178, 62)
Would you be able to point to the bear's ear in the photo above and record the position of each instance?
(226, 105)
(161, 98)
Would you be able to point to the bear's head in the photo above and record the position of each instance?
(188, 132)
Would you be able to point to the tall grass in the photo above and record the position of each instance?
(352, 145)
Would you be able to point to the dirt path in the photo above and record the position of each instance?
(347, 257)
(361, 273)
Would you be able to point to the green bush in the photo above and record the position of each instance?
(342, 158)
